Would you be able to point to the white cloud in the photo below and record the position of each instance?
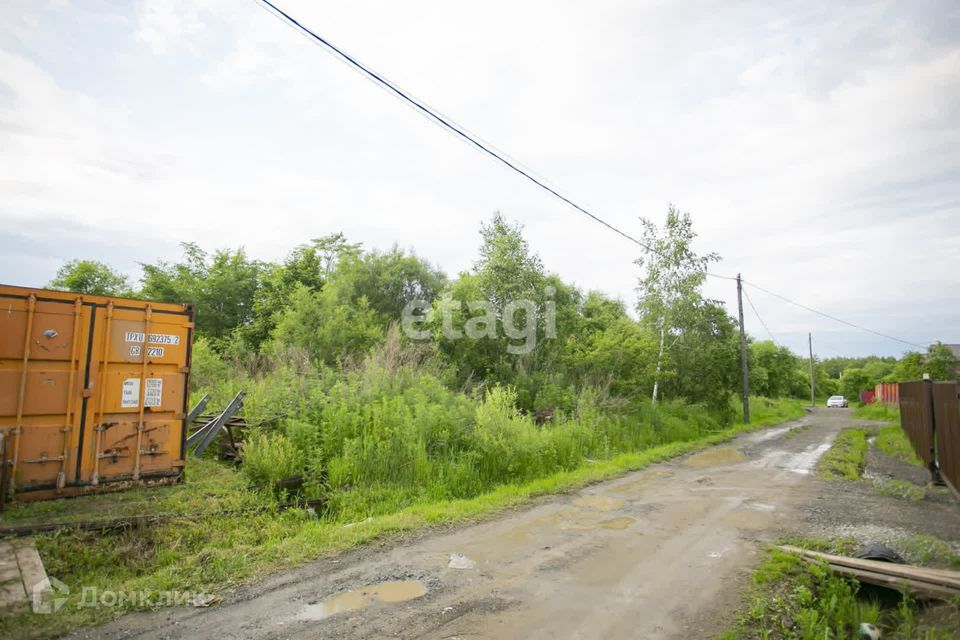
(817, 148)
(165, 24)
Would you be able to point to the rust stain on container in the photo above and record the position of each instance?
(93, 391)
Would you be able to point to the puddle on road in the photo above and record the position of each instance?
(716, 457)
(599, 503)
(770, 434)
(613, 523)
(460, 561)
(389, 592)
(804, 462)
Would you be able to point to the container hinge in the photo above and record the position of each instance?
(183, 370)
(88, 392)
(188, 325)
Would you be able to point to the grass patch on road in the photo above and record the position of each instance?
(207, 554)
(795, 599)
(797, 431)
(899, 489)
(846, 458)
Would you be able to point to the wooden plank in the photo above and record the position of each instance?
(905, 571)
(32, 571)
(892, 582)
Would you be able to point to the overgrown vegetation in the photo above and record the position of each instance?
(795, 599)
(847, 456)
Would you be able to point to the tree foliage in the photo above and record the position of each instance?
(90, 276)
(669, 286)
(332, 303)
(222, 286)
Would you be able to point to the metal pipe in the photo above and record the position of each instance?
(18, 429)
(101, 392)
(74, 365)
(143, 388)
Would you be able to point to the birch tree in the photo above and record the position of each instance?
(669, 284)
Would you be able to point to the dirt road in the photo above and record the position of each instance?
(660, 553)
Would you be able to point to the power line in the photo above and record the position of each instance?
(462, 132)
(834, 318)
(452, 126)
(757, 313)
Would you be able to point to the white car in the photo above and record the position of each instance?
(837, 402)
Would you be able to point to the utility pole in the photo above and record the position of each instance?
(813, 398)
(743, 355)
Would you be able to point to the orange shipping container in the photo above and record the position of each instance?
(93, 391)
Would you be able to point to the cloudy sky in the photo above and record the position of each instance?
(817, 146)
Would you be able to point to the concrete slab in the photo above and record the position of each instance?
(12, 593)
(32, 573)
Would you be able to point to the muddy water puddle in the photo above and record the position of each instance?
(599, 503)
(715, 457)
(390, 592)
(617, 524)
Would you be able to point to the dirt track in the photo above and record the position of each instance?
(660, 553)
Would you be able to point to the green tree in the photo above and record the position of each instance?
(909, 367)
(854, 381)
(772, 369)
(310, 264)
(222, 287)
(877, 369)
(389, 280)
(90, 276)
(705, 358)
(508, 278)
(507, 269)
(940, 362)
(618, 354)
(328, 327)
(672, 274)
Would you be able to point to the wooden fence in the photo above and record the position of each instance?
(930, 416)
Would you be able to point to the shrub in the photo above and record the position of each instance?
(269, 458)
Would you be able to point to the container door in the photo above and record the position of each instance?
(43, 347)
(140, 395)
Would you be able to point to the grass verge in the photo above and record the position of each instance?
(892, 441)
(878, 411)
(206, 554)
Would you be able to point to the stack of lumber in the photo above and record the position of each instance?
(921, 581)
